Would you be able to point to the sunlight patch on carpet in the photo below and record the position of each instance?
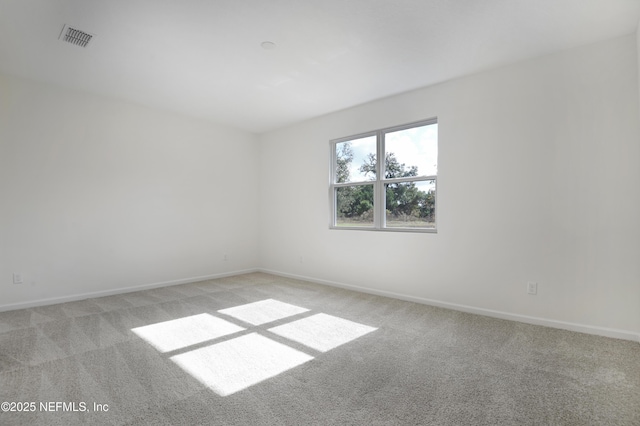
(322, 332)
(182, 332)
(242, 357)
(262, 312)
(236, 364)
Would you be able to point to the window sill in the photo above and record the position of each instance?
(366, 228)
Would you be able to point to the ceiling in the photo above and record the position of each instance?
(204, 57)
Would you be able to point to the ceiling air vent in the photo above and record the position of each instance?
(75, 36)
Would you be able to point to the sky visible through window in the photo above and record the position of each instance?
(361, 150)
(417, 146)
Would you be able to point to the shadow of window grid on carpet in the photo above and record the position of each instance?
(237, 363)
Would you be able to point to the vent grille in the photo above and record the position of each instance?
(75, 36)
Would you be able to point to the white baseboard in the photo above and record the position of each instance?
(589, 329)
(582, 328)
(90, 295)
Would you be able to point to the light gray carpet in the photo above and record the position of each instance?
(305, 354)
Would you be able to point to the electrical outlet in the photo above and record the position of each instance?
(301, 259)
(532, 288)
(17, 278)
(225, 257)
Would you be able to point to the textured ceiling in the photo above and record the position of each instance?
(203, 58)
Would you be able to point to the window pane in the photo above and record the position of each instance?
(354, 205)
(412, 152)
(356, 160)
(411, 204)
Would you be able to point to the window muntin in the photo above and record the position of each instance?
(399, 195)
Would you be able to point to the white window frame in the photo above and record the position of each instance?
(379, 199)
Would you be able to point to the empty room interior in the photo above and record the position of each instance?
(197, 227)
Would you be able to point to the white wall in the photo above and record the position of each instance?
(99, 195)
(539, 177)
(539, 180)
(638, 55)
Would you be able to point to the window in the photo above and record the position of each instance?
(398, 194)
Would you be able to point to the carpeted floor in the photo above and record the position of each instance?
(258, 349)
